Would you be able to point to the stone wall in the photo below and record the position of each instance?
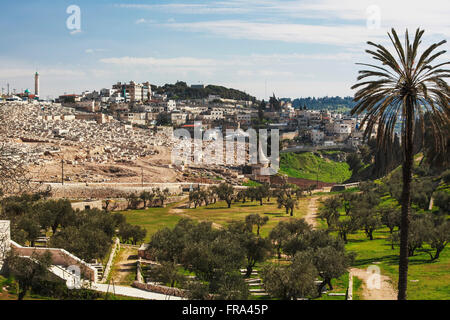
(115, 249)
(102, 191)
(60, 257)
(122, 204)
(143, 252)
(87, 205)
(160, 289)
(276, 180)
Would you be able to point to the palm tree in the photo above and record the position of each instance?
(404, 87)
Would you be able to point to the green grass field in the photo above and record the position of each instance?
(357, 288)
(340, 285)
(309, 166)
(433, 277)
(154, 219)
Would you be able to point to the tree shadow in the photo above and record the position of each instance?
(389, 259)
(356, 240)
(275, 214)
(419, 261)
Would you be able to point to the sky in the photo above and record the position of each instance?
(294, 48)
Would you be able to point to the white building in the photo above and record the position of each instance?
(212, 97)
(215, 114)
(342, 128)
(171, 105)
(134, 92)
(317, 136)
(178, 118)
(244, 117)
(134, 117)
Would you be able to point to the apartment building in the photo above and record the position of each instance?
(244, 117)
(178, 118)
(134, 117)
(317, 136)
(134, 92)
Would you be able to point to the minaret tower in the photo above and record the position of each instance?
(36, 84)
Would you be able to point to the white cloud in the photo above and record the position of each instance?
(237, 61)
(140, 21)
(91, 51)
(341, 24)
(151, 61)
(208, 8)
(416, 12)
(336, 22)
(55, 80)
(287, 74)
(297, 33)
(29, 72)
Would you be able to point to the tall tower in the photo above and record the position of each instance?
(36, 84)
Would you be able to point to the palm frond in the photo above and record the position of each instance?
(404, 83)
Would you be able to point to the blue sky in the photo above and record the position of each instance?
(293, 48)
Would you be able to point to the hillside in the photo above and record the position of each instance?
(330, 103)
(181, 91)
(311, 166)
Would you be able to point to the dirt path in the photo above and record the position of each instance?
(385, 292)
(125, 266)
(311, 216)
(177, 210)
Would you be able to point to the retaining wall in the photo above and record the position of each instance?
(159, 289)
(59, 257)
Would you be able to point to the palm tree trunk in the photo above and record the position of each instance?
(406, 202)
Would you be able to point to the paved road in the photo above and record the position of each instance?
(118, 290)
(132, 292)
